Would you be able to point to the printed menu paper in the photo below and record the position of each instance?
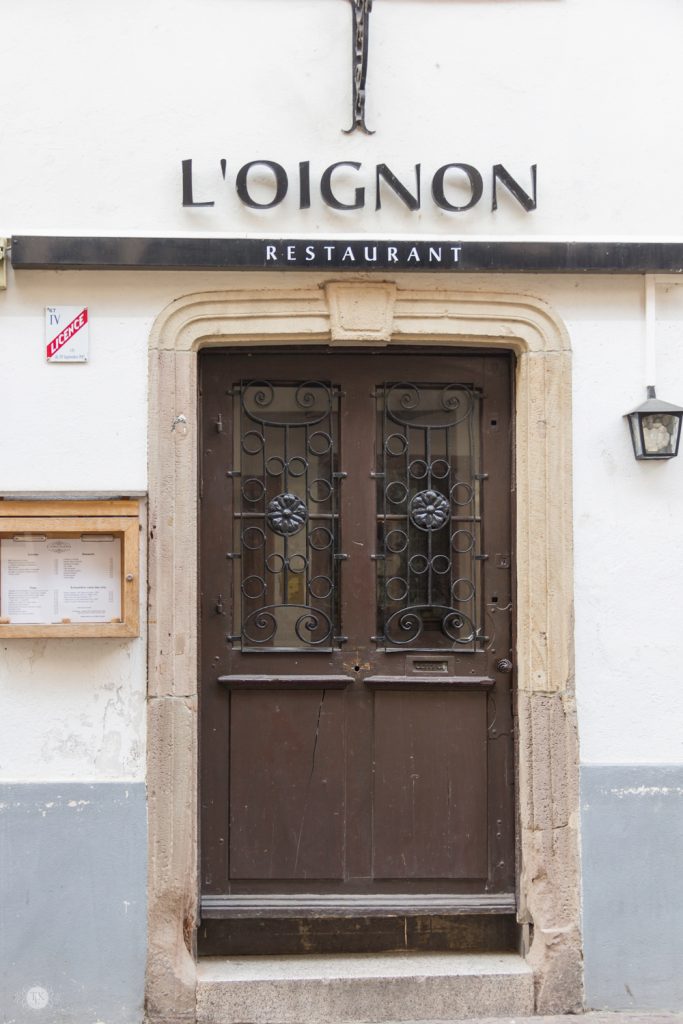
(45, 580)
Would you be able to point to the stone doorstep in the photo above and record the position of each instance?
(589, 1017)
(350, 989)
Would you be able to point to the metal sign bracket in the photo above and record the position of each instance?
(4, 250)
(360, 41)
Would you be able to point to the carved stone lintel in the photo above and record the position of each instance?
(360, 312)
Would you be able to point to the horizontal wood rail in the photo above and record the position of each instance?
(356, 905)
(418, 682)
(291, 682)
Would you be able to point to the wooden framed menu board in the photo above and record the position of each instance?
(69, 568)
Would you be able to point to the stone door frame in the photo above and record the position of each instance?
(356, 313)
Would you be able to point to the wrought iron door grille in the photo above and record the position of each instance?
(286, 516)
(429, 517)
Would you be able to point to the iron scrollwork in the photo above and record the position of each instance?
(360, 41)
(407, 625)
(286, 516)
(429, 517)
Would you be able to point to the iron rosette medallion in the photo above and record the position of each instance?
(286, 514)
(430, 510)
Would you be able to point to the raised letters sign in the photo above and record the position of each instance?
(409, 255)
(345, 185)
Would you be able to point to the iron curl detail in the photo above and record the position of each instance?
(458, 627)
(309, 391)
(312, 620)
(406, 620)
(404, 397)
(263, 393)
(313, 627)
(314, 399)
(454, 625)
(262, 620)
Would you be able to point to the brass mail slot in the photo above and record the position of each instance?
(430, 665)
(433, 664)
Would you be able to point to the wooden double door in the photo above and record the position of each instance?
(356, 742)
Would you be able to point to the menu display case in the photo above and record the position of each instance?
(69, 568)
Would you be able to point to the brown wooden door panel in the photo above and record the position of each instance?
(287, 793)
(430, 782)
(351, 750)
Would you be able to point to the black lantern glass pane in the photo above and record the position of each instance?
(429, 594)
(636, 436)
(660, 434)
(286, 515)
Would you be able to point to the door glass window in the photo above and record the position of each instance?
(429, 517)
(286, 515)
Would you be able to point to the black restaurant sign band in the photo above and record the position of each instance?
(445, 254)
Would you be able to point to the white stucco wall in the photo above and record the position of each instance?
(106, 100)
(105, 103)
(628, 544)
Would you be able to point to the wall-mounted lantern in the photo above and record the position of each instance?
(655, 425)
(655, 428)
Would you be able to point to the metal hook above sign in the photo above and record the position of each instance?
(360, 10)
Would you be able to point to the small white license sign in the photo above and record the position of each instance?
(67, 334)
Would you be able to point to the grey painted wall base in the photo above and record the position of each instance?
(73, 914)
(72, 903)
(632, 831)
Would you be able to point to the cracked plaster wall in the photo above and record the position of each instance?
(72, 709)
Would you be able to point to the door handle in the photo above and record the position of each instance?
(504, 665)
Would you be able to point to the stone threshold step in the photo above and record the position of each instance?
(587, 1017)
(367, 988)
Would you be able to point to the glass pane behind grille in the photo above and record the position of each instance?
(287, 524)
(429, 517)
